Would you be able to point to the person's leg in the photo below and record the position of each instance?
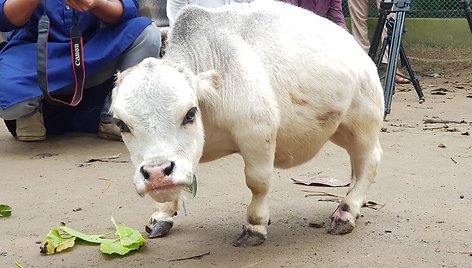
(29, 121)
(148, 44)
(358, 11)
(21, 109)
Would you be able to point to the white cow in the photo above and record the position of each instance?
(271, 82)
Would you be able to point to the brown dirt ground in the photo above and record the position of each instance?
(425, 180)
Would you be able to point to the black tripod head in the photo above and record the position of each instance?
(464, 3)
(386, 6)
(390, 6)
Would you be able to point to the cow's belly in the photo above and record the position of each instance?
(301, 137)
(291, 151)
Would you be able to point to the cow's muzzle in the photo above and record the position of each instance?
(160, 181)
(158, 177)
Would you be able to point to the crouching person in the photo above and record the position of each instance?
(113, 39)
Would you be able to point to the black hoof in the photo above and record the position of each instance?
(249, 238)
(340, 226)
(160, 228)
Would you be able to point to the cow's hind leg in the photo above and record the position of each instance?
(162, 219)
(258, 157)
(361, 140)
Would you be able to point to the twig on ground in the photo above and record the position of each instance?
(191, 257)
(461, 252)
(374, 205)
(338, 199)
(109, 159)
(108, 184)
(434, 128)
(442, 121)
(334, 200)
(252, 265)
(318, 193)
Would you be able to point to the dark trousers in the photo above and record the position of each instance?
(85, 117)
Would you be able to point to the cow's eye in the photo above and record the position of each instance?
(123, 127)
(190, 116)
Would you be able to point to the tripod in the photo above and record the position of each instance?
(393, 42)
(465, 4)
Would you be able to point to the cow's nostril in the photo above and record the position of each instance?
(169, 169)
(145, 173)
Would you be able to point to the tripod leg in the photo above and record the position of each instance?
(413, 78)
(377, 35)
(385, 43)
(389, 82)
(465, 4)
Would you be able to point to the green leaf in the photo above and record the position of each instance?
(123, 233)
(18, 265)
(114, 246)
(136, 245)
(127, 235)
(89, 238)
(192, 189)
(54, 242)
(128, 239)
(5, 210)
(111, 247)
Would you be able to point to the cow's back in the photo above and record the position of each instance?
(307, 70)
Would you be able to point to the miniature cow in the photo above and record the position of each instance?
(249, 79)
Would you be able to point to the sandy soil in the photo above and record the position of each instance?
(425, 181)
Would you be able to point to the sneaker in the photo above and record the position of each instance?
(31, 128)
(109, 131)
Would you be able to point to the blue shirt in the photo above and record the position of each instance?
(102, 44)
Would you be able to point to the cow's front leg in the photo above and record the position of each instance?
(162, 219)
(259, 166)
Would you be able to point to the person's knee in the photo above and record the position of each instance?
(151, 37)
(21, 109)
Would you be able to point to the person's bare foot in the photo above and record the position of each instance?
(401, 78)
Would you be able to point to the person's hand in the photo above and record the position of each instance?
(85, 5)
(109, 11)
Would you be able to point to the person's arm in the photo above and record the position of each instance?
(108, 11)
(335, 13)
(293, 2)
(17, 12)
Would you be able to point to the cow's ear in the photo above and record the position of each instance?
(207, 84)
(118, 80)
(120, 75)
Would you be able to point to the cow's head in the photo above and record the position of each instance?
(155, 104)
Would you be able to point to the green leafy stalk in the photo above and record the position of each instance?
(128, 239)
(89, 238)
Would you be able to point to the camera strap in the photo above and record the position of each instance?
(77, 58)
